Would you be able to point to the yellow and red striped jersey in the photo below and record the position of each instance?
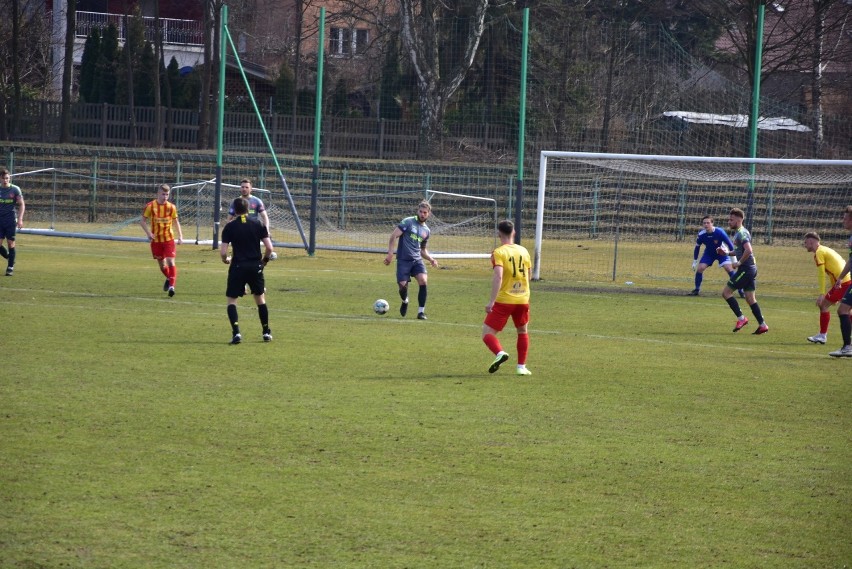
(161, 217)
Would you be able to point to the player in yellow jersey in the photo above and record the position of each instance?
(158, 217)
(829, 264)
(510, 297)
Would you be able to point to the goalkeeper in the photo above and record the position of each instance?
(712, 238)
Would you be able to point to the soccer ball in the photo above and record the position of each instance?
(381, 306)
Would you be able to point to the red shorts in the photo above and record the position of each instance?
(501, 312)
(835, 294)
(163, 249)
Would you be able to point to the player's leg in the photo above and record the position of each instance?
(494, 323)
(403, 276)
(422, 293)
(843, 315)
(258, 288)
(11, 254)
(699, 278)
(824, 305)
(521, 318)
(169, 255)
(234, 289)
(747, 283)
(728, 295)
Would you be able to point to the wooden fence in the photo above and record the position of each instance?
(115, 125)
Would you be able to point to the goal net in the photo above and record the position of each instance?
(351, 214)
(607, 217)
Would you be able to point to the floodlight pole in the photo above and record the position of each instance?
(755, 113)
(220, 126)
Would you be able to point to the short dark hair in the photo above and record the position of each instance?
(3, 171)
(737, 212)
(710, 217)
(812, 235)
(506, 227)
(245, 181)
(240, 206)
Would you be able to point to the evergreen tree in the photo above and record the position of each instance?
(105, 79)
(88, 66)
(285, 90)
(389, 104)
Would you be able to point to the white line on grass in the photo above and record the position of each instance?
(290, 313)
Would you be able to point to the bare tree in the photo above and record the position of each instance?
(422, 34)
(794, 40)
(68, 70)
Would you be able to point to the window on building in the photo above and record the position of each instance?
(347, 41)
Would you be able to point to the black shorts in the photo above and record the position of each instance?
(242, 274)
(744, 279)
(8, 229)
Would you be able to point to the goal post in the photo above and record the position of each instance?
(603, 216)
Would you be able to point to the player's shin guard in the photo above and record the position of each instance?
(824, 320)
(421, 296)
(493, 343)
(699, 277)
(263, 314)
(403, 293)
(735, 306)
(12, 254)
(846, 328)
(523, 347)
(755, 309)
(232, 317)
(172, 275)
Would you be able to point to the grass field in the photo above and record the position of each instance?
(132, 435)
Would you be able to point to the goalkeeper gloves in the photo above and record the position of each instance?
(694, 264)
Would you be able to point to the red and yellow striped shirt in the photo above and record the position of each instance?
(161, 217)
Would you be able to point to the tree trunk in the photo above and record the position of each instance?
(158, 57)
(16, 66)
(206, 77)
(68, 70)
(128, 60)
(816, 78)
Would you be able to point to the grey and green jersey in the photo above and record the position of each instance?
(414, 237)
(740, 238)
(9, 198)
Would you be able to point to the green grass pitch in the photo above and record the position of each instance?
(650, 435)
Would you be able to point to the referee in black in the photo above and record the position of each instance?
(244, 235)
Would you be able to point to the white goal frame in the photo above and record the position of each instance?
(546, 154)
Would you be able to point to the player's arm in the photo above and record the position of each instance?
(269, 251)
(821, 278)
(179, 231)
(22, 207)
(428, 256)
(223, 252)
(264, 219)
(496, 283)
(695, 254)
(391, 242)
(143, 223)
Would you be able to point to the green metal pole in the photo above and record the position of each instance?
(312, 241)
(519, 194)
(266, 138)
(755, 113)
(220, 130)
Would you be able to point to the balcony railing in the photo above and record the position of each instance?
(178, 32)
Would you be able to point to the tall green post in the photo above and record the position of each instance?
(522, 120)
(220, 126)
(755, 113)
(312, 239)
